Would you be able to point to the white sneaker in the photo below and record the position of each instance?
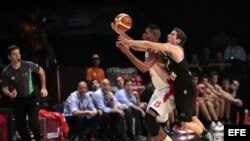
(185, 137)
(218, 136)
(219, 124)
(212, 125)
(218, 128)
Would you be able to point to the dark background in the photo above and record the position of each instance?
(83, 27)
(77, 29)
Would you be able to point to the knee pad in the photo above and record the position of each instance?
(151, 124)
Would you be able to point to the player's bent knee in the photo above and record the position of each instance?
(151, 124)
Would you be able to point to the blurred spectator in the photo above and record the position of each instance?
(194, 63)
(234, 108)
(205, 57)
(32, 37)
(95, 85)
(137, 79)
(119, 82)
(226, 87)
(208, 104)
(81, 115)
(113, 114)
(137, 83)
(221, 93)
(219, 62)
(37, 47)
(234, 52)
(126, 96)
(220, 42)
(95, 72)
(219, 58)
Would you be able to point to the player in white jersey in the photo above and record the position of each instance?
(162, 101)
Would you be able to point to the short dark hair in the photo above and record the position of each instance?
(195, 74)
(181, 35)
(11, 48)
(155, 30)
(128, 80)
(203, 76)
(213, 73)
(153, 26)
(226, 79)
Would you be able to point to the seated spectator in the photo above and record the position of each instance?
(219, 64)
(234, 86)
(225, 85)
(220, 41)
(194, 63)
(223, 95)
(119, 82)
(95, 85)
(220, 92)
(209, 104)
(80, 112)
(112, 119)
(205, 57)
(234, 52)
(126, 96)
(219, 58)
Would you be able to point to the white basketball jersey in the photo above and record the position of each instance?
(159, 82)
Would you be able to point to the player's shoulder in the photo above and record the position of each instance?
(29, 63)
(170, 44)
(174, 48)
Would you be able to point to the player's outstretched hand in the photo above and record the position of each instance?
(238, 102)
(115, 29)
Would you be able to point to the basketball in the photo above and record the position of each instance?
(123, 22)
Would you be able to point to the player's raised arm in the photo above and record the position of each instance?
(125, 35)
(174, 51)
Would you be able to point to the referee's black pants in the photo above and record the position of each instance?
(23, 106)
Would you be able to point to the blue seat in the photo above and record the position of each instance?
(58, 107)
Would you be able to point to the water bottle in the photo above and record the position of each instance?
(246, 117)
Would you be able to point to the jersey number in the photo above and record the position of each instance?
(157, 103)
